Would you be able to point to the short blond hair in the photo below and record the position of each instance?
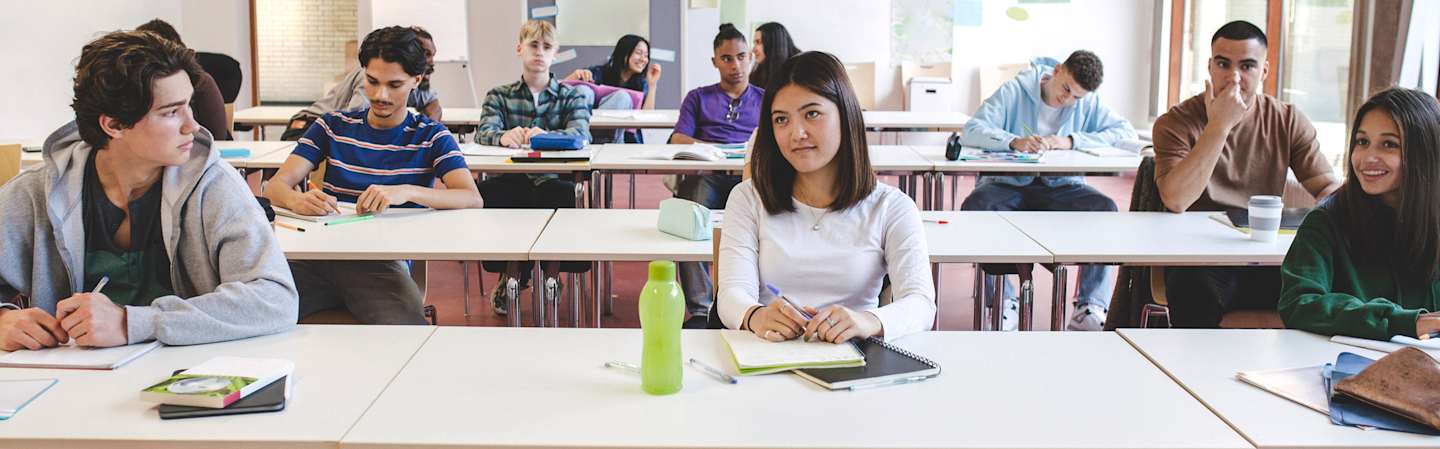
(538, 30)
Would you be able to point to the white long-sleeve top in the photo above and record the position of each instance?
(842, 263)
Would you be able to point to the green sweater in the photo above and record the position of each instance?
(1324, 290)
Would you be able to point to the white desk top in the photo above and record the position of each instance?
(1205, 362)
(266, 115)
(626, 157)
(260, 153)
(1050, 162)
(500, 387)
(462, 234)
(613, 235)
(934, 121)
(1146, 238)
(979, 237)
(280, 115)
(502, 164)
(339, 370)
(612, 119)
(666, 118)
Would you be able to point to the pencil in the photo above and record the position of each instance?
(289, 226)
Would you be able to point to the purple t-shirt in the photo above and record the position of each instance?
(706, 114)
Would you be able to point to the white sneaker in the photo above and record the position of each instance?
(1089, 317)
(1010, 316)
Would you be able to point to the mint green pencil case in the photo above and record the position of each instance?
(685, 219)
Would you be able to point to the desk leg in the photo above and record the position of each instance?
(609, 190)
(1057, 306)
(595, 292)
(937, 186)
(954, 193)
(512, 294)
(632, 191)
(575, 287)
(979, 296)
(929, 203)
(935, 275)
(997, 302)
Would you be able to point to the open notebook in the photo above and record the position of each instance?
(76, 357)
(347, 213)
(754, 355)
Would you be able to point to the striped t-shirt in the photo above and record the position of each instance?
(357, 155)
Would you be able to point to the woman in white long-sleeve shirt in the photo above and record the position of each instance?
(814, 222)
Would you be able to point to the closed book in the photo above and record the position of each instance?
(218, 382)
(754, 355)
(884, 364)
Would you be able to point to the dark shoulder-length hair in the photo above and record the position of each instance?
(1411, 241)
(778, 48)
(620, 58)
(774, 177)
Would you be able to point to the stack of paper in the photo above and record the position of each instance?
(76, 357)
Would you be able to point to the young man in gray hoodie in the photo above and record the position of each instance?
(133, 229)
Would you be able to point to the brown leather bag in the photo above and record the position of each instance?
(1406, 383)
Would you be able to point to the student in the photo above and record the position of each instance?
(208, 103)
(376, 157)
(1213, 151)
(1052, 106)
(349, 94)
(726, 112)
(629, 67)
(538, 103)
(1364, 263)
(133, 191)
(815, 223)
(773, 47)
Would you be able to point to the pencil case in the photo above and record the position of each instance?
(557, 141)
(685, 219)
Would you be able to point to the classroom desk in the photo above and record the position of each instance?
(610, 160)
(339, 371)
(875, 120)
(262, 116)
(1141, 238)
(259, 151)
(980, 237)
(1204, 362)
(500, 387)
(468, 234)
(608, 235)
(1052, 163)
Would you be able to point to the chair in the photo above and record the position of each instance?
(9, 161)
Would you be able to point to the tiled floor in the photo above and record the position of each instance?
(445, 282)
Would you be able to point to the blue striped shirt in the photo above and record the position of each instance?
(357, 155)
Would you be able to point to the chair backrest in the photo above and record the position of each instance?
(9, 161)
(317, 175)
(991, 78)
(1145, 195)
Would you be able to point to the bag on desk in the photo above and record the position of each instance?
(557, 141)
(685, 219)
(1405, 382)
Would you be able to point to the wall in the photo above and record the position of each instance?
(49, 38)
(303, 46)
(858, 31)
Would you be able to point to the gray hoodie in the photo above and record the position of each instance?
(230, 278)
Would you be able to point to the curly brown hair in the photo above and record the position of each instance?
(116, 77)
(1086, 68)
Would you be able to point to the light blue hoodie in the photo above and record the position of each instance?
(1016, 105)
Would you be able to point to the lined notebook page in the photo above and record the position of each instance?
(71, 356)
(754, 355)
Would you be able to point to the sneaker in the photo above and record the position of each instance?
(1089, 317)
(499, 301)
(1010, 316)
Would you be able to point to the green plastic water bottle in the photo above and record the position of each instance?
(662, 311)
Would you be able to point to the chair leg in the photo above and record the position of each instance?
(1058, 301)
(997, 303)
(512, 296)
(1027, 297)
(575, 287)
(465, 275)
(935, 275)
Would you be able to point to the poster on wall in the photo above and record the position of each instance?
(921, 31)
(600, 22)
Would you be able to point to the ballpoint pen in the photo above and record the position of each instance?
(622, 366)
(713, 372)
(900, 381)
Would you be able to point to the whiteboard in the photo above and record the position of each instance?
(444, 19)
(600, 22)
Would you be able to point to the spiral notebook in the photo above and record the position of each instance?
(884, 364)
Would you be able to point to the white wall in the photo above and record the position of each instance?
(1119, 31)
(494, 27)
(44, 46)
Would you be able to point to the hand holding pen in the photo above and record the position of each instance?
(778, 321)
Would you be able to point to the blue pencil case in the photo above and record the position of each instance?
(557, 142)
(231, 153)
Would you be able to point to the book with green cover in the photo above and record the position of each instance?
(754, 355)
(218, 382)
